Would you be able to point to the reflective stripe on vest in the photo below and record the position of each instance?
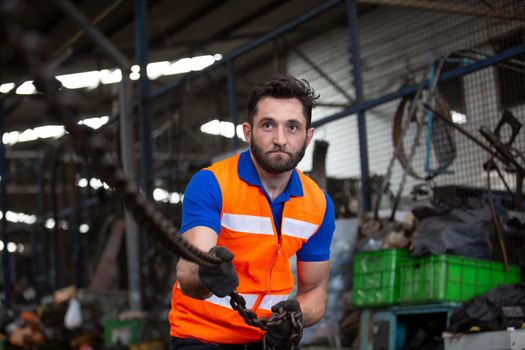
(266, 304)
(248, 223)
(263, 226)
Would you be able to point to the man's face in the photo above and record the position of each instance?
(278, 137)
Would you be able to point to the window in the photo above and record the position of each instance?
(452, 89)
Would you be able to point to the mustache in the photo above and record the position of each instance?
(279, 149)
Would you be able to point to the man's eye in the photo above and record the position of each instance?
(293, 128)
(267, 125)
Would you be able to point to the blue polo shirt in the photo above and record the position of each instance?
(202, 206)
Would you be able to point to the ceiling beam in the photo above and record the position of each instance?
(457, 7)
(165, 37)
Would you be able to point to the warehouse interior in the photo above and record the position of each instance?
(418, 142)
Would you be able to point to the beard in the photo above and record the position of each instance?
(276, 165)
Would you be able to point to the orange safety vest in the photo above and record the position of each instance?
(261, 257)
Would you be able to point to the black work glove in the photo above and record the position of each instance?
(222, 279)
(278, 335)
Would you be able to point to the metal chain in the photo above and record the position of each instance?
(103, 159)
(238, 303)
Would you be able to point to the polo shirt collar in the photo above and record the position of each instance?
(248, 173)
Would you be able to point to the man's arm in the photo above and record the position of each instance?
(203, 238)
(312, 290)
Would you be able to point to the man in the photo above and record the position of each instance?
(255, 211)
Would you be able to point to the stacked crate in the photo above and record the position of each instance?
(391, 276)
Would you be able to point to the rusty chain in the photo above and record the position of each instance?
(29, 44)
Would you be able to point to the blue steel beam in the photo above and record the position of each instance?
(232, 101)
(6, 259)
(141, 51)
(358, 86)
(250, 46)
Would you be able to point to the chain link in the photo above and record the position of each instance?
(276, 318)
(30, 45)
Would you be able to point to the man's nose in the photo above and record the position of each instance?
(279, 137)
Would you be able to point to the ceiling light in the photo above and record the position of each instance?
(93, 79)
(175, 198)
(5, 88)
(84, 228)
(89, 79)
(110, 76)
(222, 128)
(27, 88)
(11, 247)
(160, 195)
(95, 123)
(50, 223)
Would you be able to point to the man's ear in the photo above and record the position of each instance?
(247, 130)
(309, 135)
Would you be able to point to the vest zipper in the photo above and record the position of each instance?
(261, 297)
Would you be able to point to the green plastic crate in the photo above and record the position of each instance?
(376, 277)
(438, 278)
(119, 333)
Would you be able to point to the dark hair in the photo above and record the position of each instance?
(283, 86)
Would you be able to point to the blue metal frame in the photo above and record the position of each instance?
(361, 120)
(141, 51)
(6, 259)
(232, 101)
(428, 143)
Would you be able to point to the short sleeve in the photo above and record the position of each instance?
(317, 248)
(202, 202)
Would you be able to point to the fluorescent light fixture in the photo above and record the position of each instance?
(201, 62)
(27, 88)
(14, 217)
(93, 79)
(175, 198)
(20, 217)
(181, 66)
(222, 128)
(156, 69)
(458, 118)
(84, 228)
(49, 224)
(5, 88)
(1, 246)
(88, 80)
(95, 123)
(41, 132)
(48, 131)
(11, 247)
(97, 183)
(110, 76)
(161, 195)
(240, 133)
(94, 183)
